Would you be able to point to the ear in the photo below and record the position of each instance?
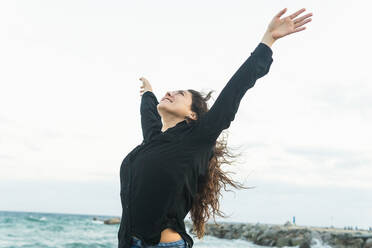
(192, 115)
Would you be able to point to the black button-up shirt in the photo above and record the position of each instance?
(159, 178)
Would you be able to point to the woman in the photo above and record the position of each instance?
(175, 170)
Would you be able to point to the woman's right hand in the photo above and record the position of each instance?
(146, 86)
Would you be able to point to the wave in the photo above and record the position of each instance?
(35, 219)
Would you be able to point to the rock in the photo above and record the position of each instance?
(288, 235)
(254, 234)
(112, 221)
(232, 232)
(327, 238)
(283, 241)
(305, 245)
(288, 224)
(236, 234)
(357, 243)
(267, 238)
(298, 240)
(368, 243)
(347, 243)
(363, 236)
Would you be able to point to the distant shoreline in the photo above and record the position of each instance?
(90, 215)
(209, 222)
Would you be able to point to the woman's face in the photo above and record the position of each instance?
(176, 103)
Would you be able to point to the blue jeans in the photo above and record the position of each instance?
(137, 243)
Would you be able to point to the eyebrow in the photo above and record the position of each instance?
(181, 91)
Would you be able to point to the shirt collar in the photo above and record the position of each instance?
(172, 133)
(179, 124)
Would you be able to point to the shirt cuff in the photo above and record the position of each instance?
(264, 49)
(151, 95)
(148, 92)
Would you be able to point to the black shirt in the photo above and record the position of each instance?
(159, 178)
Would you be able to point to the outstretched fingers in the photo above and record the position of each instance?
(299, 24)
(281, 13)
(298, 20)
(297, 13)
(298, 30)
(302, 17)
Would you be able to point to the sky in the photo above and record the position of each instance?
(70, 95)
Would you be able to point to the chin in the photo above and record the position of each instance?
(163, 107)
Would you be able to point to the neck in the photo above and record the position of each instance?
(170, 122)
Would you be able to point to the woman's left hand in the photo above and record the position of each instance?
(279, 28)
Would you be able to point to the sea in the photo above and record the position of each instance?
(53, 230)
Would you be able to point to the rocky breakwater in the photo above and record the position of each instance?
(288, 234)
(110, 221)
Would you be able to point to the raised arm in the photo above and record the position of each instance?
(224, 109)
(150, 118)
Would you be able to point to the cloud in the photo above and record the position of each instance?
(7, 157)
(340, 158)
(341, 95)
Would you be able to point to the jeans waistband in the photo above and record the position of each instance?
(138, 242)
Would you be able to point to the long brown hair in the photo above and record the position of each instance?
(209, 189)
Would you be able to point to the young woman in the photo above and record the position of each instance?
(176, 169)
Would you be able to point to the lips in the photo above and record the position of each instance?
(166, 98)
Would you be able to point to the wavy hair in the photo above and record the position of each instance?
(209, 189)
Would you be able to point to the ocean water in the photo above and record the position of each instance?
(47, 230)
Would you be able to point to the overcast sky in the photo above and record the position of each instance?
(69, 102)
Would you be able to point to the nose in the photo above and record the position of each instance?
(169, 94)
